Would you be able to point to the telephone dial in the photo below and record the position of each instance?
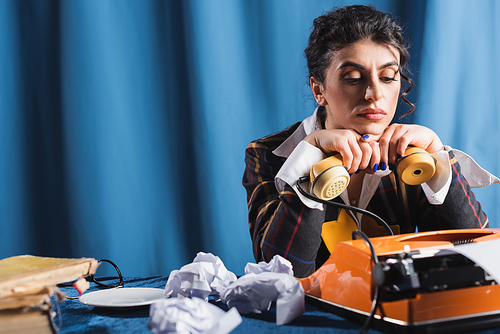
(329, 178)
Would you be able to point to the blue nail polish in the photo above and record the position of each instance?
(383, 166)
(399, 156)
(365, 137)
(375, 167)
(351, 174)
(358, 171)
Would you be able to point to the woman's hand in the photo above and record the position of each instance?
(368, 152)
(357, 153)
(397, 137)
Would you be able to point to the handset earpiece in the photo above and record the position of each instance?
(329, 178)
(416, 166)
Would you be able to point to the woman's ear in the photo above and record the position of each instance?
(317, 90)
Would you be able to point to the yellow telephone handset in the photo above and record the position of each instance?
(416, 167)
(329, 177)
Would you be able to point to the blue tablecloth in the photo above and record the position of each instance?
(80, 318)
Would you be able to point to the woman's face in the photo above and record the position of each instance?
(361, 88)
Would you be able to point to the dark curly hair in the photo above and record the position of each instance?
(345, 26)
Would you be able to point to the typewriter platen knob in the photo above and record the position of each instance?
(381, 273)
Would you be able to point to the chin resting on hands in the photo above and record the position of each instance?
(370, 152)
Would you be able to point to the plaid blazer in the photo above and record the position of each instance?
(281, 224)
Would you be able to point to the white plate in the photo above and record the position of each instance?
(122, 297)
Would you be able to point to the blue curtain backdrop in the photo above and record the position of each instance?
(123, 123)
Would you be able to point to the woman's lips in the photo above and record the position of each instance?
(373, 114)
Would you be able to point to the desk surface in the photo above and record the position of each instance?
(80, 318)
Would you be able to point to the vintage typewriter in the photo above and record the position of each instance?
(409, 283)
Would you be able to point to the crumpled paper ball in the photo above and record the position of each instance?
(191, 315)
(205, 276)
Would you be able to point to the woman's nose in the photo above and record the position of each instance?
(373, 91)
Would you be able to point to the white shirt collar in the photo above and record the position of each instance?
(309, 125)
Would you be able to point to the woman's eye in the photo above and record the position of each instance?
(352, 80)
(388, 79)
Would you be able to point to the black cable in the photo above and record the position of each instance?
(375, 303)
(355, 234)
(91, 278)
(120, 276)
(363, 236)
(341, 205)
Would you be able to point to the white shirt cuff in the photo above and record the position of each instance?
(438, 186)
(297, 165)
(475, 175)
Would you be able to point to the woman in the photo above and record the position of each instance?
(356, 56)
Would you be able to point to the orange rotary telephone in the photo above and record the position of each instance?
(410, 283)
(329, 177)
(404, 283)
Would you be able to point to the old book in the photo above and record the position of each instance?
(32, 321)
(26, 285)
(29, 274)
(27, 314)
